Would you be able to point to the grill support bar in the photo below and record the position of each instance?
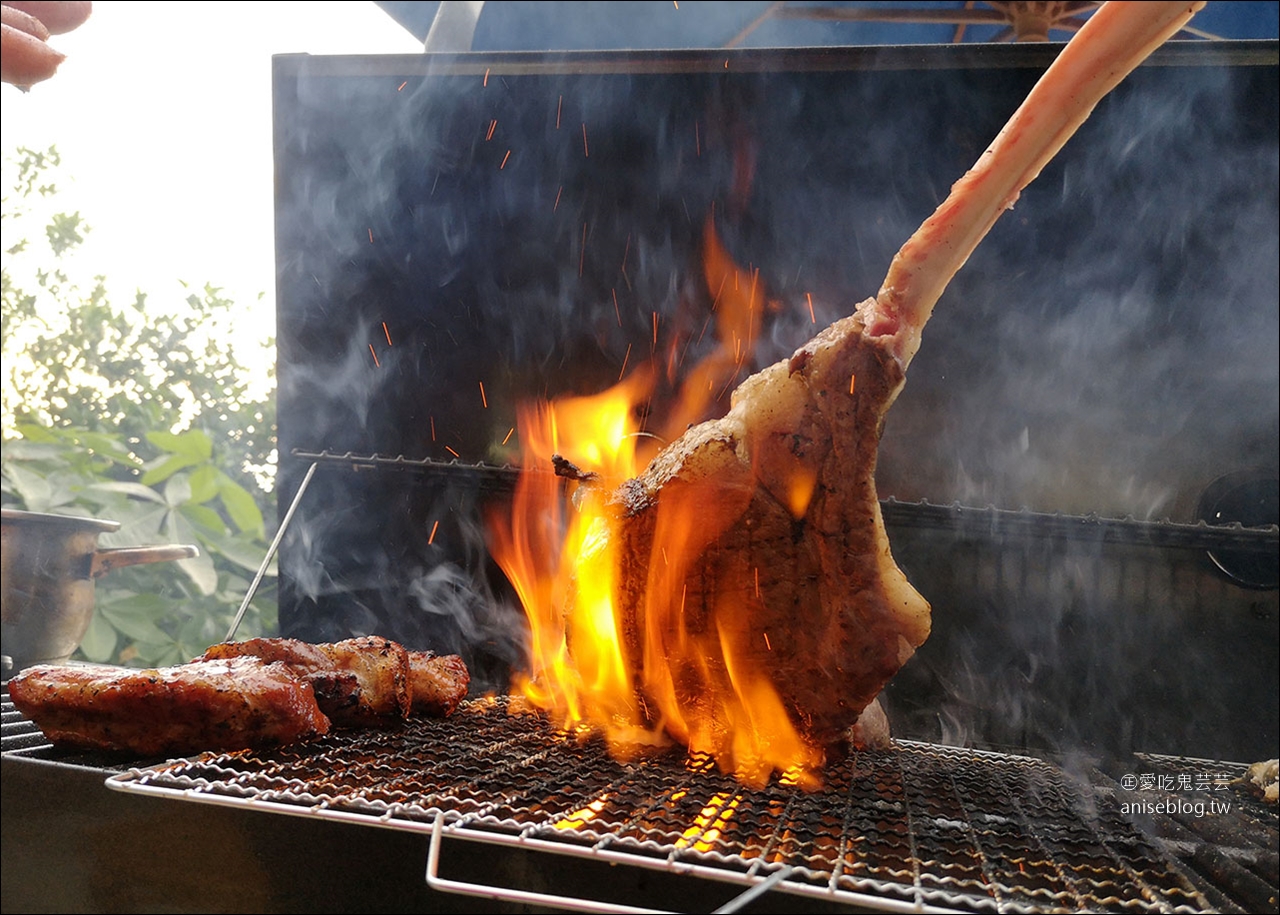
(505, 894)
(758, 885)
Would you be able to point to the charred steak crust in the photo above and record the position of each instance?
(789, 560)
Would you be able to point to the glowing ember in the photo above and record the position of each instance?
(681, 677)
(705, 829)
(581, 817)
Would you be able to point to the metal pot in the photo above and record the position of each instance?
(49, 565)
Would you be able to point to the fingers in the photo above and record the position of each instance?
(25, 58)
(57, 16)
(23, 21)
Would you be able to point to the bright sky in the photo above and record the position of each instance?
(162, 113)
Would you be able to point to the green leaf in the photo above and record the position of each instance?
(135, 616)
(136, 490)
(33, 433)
(178, 490)
(141, 524)
(204, 484)
(246, 552)
(193, 444)
(99, 642)
(200, 569)
(167, 467)
(206, 522)
(35, 490)
(108, 446)
(240, 505)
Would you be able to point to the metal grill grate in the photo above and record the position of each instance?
(919, 825)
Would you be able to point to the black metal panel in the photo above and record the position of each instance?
(1110, 348)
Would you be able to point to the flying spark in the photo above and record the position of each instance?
(586, 153)
(504, 160)
(510, 432)
(484, 400)
(556, 206)
(486, 74)
(705, 324)
(371, 235)
(433, 428)
(719, 292)
(387, 332)
(767, 645)
(451, 451)
(402, 85)
(616, 312)
(493, 125)
(852, 379)
(431, 539)
(559, 106)
(812, 316)
(376, 363)
(582, 257)
(624, 362)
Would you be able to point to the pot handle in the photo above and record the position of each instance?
(105, 561)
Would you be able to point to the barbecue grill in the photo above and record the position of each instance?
(456, 233)
(918, 827)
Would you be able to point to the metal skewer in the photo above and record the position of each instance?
(271, 551)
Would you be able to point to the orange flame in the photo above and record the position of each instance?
(675, 665)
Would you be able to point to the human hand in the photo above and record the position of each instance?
(25, 56)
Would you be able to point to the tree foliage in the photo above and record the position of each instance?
(137, 413)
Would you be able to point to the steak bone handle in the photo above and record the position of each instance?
(1114, 41)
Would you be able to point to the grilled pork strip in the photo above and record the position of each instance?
(437, 683)
(221, 705)
(806, 587)
(365, 681)
(358, 682)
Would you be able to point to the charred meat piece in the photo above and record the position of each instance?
(224, 705)
(357, 682)
(790, 566)
(1262, 779)
(437, 683)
